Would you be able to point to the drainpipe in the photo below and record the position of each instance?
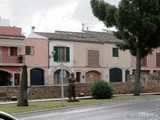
(48, 55)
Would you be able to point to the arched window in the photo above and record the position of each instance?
(5, 78)
(57, 78)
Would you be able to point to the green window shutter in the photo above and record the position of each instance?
(67, 54)
(56, 54)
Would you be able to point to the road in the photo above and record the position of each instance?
(140, 109)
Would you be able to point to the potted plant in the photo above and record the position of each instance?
(20, 58)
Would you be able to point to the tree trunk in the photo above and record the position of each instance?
(23, 95)
(137, 88)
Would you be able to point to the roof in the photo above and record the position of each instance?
(103, 36)
(53, 36)
(78, 36)
(85, 36)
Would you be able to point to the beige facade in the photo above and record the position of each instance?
(90, 55)
(122, 61)
(81, 65)
(106, 61)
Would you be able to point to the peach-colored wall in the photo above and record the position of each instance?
(151, 59)
(105, 52)
(106, 60)
(80, 52)
(122, 61)
(40, 58)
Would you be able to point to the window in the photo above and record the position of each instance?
(57, 78)
(29, 50)
(16, 79)
(144, 61)
(78, 76)
(157, 59)
(62, 54)
(13, 51)
(115, 52)
(93, 58)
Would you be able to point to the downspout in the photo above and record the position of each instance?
(48, 55)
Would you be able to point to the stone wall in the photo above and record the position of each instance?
(43, 92)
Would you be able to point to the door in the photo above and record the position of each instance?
(5, 78)
(115, 75)
(37, 76)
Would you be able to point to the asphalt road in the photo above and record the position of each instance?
(141, 109)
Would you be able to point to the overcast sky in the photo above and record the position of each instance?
(51, 15)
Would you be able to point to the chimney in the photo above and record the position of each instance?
(32, 29)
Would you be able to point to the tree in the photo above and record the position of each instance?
(138, 27)
(23, 95)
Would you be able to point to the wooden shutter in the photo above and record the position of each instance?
(13, 51)
(93, 58)
(56, 54)
(144, 61)
(67, 54)
(157, 59)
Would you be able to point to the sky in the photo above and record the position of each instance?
(51, 15)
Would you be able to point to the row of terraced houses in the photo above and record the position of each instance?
(90, 55)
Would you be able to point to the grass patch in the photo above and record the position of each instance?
(33, 106)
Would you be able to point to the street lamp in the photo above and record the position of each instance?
(53, 53)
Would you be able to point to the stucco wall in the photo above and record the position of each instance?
(64, 44)
(40, 57)
(122, 61)
(81, 53)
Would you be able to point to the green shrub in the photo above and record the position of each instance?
(100, 89)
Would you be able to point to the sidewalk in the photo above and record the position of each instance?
(41, 100)
(85, 97)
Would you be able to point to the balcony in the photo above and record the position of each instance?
(6, 60)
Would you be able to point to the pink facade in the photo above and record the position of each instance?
(36, 59)
(8, 59)
(151, 59)
(11, 55)
(150, 62)
(39, 52)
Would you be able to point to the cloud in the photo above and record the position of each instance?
(83, 13)
(20, 9)
(50, 15)
(55, 19)
(113, 2)
(4, 11)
